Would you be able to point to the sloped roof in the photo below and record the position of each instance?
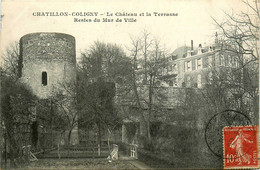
(181, 51)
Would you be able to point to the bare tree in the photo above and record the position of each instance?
(241, 31)
(146, 43)
(147, 53)
(65, 99)
(240, 37)
(11, 61)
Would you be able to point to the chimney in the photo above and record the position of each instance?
(216, 38)
(191, 45)
(200, 49)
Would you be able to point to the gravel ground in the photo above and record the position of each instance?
(80, 164)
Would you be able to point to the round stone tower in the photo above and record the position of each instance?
(48, 63)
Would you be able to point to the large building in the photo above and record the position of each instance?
(193, 67)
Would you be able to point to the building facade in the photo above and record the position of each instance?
(189, 67)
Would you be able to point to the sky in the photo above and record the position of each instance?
(193, 20)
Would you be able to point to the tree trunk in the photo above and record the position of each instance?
(51, 123)
(99, 134)
(139, 107)
(150, 107)
(69, 136)
(108, 143)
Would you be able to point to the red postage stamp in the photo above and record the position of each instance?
(240, 147)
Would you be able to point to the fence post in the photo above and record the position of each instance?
(115, 148)
(28, 152)
(59, 150)
(136, 153)
(24, 154)
(5, 149)
(98, 149)
(114, 153)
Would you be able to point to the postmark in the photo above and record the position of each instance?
(214, 128)
(240, 147)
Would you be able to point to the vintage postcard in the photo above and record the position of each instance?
(169, 84)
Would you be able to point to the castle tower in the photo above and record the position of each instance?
(48, 62)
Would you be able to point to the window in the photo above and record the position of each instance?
(169, 68)
(175, 82)
(221, 60)
(205, 62)
(213, 60)
(210, 61)
(229, 61)
(199, 63)
(175, 68)
(174, 57)
(188, 66)
(236, 62)
(233, 62)
(199, 81)
(188, 81)
(210, 77)
(226, 60)
(44, 78)
(170, 83)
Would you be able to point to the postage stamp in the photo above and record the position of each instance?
(240, 144)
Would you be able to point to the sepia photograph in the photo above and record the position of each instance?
(169, 84)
